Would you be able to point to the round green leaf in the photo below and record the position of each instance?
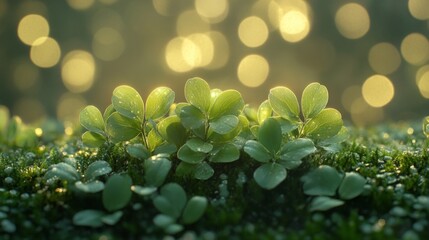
(117, 192)
(198, 145)
(172, 130)
(186, 154)
(191, 117)
(264, 111)
(269, 175)
(225, 153)
(163, 221)
(284, 102)
(324, 125)
(88, 218)
(108, 111)
(91, 119)
(138, 150)
(176, 196)
(224, 124)
(173, 228)
(270, 135)
(257, 151)
(194, 209)
(158, 102)
(351, 186)
(90, 187)
(96, 169)
(156, 170)
(322, 203)
(314, 99)
(228, 102)
(121, 128)
(92, 139)
(292, 152)
(323, 180)
(203, 171)
(62, 171)
(197, 93)
(112, 219)
(165, 206)
(128, 102)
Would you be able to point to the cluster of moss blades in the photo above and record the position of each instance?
(213, 127)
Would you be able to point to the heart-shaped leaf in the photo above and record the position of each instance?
(191, 117)
(264, 111)
(257, 151)
(128, 102)
(324, 125)
(225, 153)
(117, 192)
(228, 102)
(158, 102)
(197, 93)
(292, 152)
(284, 102)
(224, 124)
(172, 130)
(92, 139)
(156, 170)
(322, 203)
(88, 218)
(96, 169)
(323, 180)
(91, 119)
(194, 209)
(269, 175)
(186, 154)
(90, 187)
(351, 186)
(270, 135)
(314, 99)
(121, 128)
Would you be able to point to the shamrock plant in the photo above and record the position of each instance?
(176, 209)
(275, 156)
(325, 182)
(213, 119)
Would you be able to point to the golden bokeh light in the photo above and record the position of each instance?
(363, 114)
(105, 18)
(378, 91)
(78, 71)
(174, 55)
(294, 26)
(419, 9)
(212, 11)
(25, 75)
(415, 48)
(33, 27)
(420, 72)
(423, 84)
(80, 4)
(253, 70)
(108, 2)
(29, 109)
(108, 44)
(352, 20)
(190, 22)
(221, 50)
(384, 58)
(69, 107)
(349, 96)
(45, 52)
(253, 32)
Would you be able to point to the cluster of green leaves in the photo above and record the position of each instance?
(325, 182)
(13, 132)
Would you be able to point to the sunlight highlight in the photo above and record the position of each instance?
(352, 20)
(108, 44)
(32, 27)
(419, 9)
(45, 52)
(294, 26)
(213, 11)
(384, 58)
(378, 91)
(253, 70)
(78, 71)
(253, 32)
(415, 48)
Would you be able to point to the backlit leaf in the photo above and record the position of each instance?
(121, 128)
(91, 119)
(314, 99)
(284, 102)
(158, 102)
(92, 139)
(224, 124)
(128, 102)
(269, 175)
(197, 93)
(172, 130)
(324, 125)
(270, 135)
(264, 111)
(228, 102)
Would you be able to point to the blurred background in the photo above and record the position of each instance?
(57, 56)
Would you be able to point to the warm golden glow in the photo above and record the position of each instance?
(378, 91)
(363, 114)
(422, 70)
(213, 11)
(253, 70)
(32, 27)
(29, 109)
(25, 75)
(349, 96)
(174, 55)
(78, 71)
(80, 4)
(45, 52)
(352, 20)
(294, 26)
(415, 48)
(108, 44)
(419, 9)
(253, 32)
(69, 107)
(38, 132)
(190, 22)
(384, 58)
(423, 84)
(221, 50)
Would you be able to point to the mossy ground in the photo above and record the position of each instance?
(393, 158)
